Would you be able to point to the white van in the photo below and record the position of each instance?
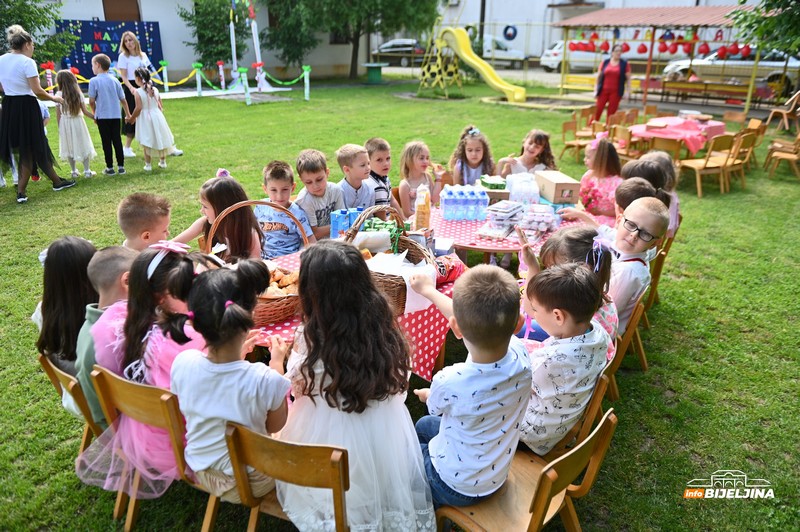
(590, 61)
(497, 50)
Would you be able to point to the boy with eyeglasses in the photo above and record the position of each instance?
(638, 229)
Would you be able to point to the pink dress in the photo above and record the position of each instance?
(597, 194)
(148, 449)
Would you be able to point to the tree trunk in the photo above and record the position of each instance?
(354, 55)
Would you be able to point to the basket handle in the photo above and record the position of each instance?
(247, 203)
(368, 213)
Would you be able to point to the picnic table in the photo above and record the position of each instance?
(692, 133)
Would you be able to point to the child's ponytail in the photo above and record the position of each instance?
(147, 84)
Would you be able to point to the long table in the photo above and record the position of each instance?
(692, 133)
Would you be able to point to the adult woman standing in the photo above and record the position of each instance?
(613, 79)
(21, 120)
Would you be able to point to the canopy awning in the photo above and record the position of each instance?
(705, 16)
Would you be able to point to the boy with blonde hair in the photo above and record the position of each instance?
(354, 162)
(281, 234)
(468, 450)
(144, 219)
(319, 197)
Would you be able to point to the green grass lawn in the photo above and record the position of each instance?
(722, 390)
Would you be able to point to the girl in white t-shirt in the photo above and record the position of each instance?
(221, 386)
(534, 156)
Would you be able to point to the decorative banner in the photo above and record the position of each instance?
(673, 48)
(734, 48)
(745, 51)
(704, 48)
(625, 48)
(722, 53)
(103, 37)
(663, 47)
(642, 48)
(604, 47)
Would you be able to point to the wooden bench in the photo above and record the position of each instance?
(578, 82)
(708, 90)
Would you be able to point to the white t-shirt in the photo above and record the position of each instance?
(363, 197)
(482, 406)
(630, 277)
(15, 69)
(131, 63)
(318, 208)
(212, 394)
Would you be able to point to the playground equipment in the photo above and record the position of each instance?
(441, 70)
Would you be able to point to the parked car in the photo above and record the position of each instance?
(734, 66)
(497, 50)
(552, 57)
(403, 52)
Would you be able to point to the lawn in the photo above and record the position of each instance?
(721, 393)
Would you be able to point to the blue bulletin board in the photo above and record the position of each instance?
(104, 37)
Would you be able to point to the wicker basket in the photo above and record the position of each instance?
(394, 286)
(268, 310)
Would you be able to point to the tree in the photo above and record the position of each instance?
(771, 24)
(37, 17)
(210, 21)
(292, 35)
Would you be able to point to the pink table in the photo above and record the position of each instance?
(692, 133)
(425, 329)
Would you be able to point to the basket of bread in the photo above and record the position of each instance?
(279, 301)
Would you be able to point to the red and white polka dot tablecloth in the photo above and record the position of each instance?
(425, 329)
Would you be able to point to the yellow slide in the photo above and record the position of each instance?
(458, 40)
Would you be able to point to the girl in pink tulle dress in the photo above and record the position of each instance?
(154, 332)
(600, 181)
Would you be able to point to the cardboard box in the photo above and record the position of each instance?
(556, 187)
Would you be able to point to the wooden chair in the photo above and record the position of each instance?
(590, 133)
(152, 406)
(754, 123)
(313, 466)
(534, 493)
(666, 245)
(623, 344)
(777, 157)
(785, 112)
(710, 164)
(624, 142)
(656, 267)
(616, 119)
(671, 146)
(64, 382)
(632, 117)
(738, 158)
(662, 114)
(650, 110)
(584, 116)
(781, 145)
(737, 117)
(396, 193)
(574, 143)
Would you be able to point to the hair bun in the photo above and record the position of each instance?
(14, 29)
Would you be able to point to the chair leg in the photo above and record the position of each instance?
(568, 516)
(773, 167)
(122, 498)
(699, 185)
(563, 152)
(252, 522)
(133, 505)
(86, 438)
(795, 168)
(612, 392)
(211, 513)
(639, 347)
(645, 321)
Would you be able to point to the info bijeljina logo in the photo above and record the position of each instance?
(728, 484)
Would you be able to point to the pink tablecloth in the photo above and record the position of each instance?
(692, 133)
(425, 329)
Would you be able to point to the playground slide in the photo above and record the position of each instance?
(458, 40)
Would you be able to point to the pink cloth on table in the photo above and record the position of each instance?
(692, 133)
(145, 448)
(606, 201)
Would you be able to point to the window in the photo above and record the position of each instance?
(338, 38)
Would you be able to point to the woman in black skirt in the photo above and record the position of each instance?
(21, 128)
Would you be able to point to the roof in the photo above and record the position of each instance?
(717, 16)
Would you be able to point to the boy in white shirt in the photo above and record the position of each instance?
(563, 298)
(468, 450)
(319, 197)
(354, 162)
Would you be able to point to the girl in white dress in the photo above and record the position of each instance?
(74, 142)
(349, 370)
(152, 131)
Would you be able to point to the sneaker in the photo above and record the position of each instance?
(35, 177)
(65, 183)
(128, 152)
(120, 170)
(176, 153)
(22, 198)
(88, 174)
(74, 174)
(148, 167)
(109, 171)
(162, 164)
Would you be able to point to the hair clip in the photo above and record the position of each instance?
(190, 315)
(228, 303)
(474, 131)
(165, 247)
(599, 246)
(222, 172)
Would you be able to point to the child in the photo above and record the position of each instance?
(220, 386)
(472, 157)
(154, 332)
(600, 180)
(239, 231)
(534, 156)
(349, 371)
(354, 162)
(583, 245)
(281, 234)
(108, 271)
(414, 163)
(319, 198)
(667, 167)
(66, 292)
(144, 219)
(639, 229)
(105, 95)
(468, 450)
(152, 131)
(74, 141)
(563, 299)
(380, 163)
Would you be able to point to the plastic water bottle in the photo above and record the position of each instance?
(483, 202)
(461, 205)
(446, 203)
(472, 205)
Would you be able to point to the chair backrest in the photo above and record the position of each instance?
(624, 341)
(650, 110)
(150, 405)
(568, 126)
(560, 474)
(632, 116)
(671, 146)
(621, 133)
(792, 102)
(667, 243)
(737, 117)
(313, 466)
(656, 267)
(396, 193)
(754, 123)
(616, 119)
(583, 427)
(64, 382)
(720, 143)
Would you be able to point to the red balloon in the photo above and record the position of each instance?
(703, 49)
(663, 47)
(722, 52)
(590, 47)
(625, 47)
(581, 47)
(745, 50)
(733, 49)
(642, 48)
(673, 48)
(573, 47)
(594, 36)
(604, 46)
(687, 48)
(680, 38)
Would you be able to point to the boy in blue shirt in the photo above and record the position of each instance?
(105, 95)
(281, 234)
